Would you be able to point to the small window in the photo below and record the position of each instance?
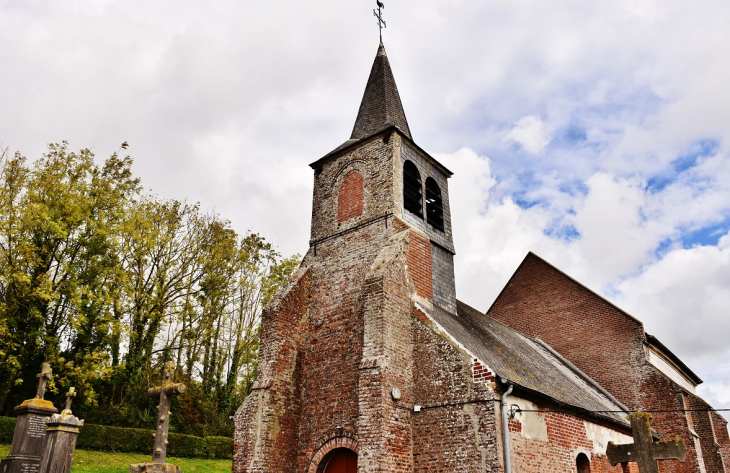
(412, 192)
(582, 463)
(434, 205)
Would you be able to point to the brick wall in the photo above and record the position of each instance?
(267, 422)
(452, 438)
(556, 451)
(711, 434)
(374, 161)
(350, 197)
(419, 265)
(601, 340)
(659, 393)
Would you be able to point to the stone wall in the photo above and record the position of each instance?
(450, 434)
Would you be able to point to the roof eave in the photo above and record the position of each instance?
(653, 341)
(384, 131)
(574, 410)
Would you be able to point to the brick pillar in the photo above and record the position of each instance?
(385, 435)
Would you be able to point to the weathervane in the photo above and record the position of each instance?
(379, 15)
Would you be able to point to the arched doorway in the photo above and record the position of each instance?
(339, 460)
(582, 463)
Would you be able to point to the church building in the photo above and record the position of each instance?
(369, 363)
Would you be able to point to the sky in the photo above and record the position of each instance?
(594, 134)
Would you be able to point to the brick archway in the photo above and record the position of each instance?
(328, 446)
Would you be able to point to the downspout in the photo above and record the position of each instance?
(505, 428)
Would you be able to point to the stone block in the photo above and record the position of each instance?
(154, 468)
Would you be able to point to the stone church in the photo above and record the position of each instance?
(369, 363)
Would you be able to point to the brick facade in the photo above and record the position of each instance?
(610, 346)
(338, 338)
(543, 303)
(354, 353)
(551, 443)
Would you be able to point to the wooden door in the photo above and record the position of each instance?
(344, 461)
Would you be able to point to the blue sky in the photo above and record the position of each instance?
(592, 133)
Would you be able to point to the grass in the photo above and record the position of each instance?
(89, 461)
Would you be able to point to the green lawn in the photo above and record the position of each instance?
(89, 461)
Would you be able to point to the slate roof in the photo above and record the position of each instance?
(530, 365)
(381, 106)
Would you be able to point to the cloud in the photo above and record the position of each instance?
(626, 243)
(530, 133)
(588, 132)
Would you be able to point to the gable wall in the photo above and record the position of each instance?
(600, 340)
(603, 342)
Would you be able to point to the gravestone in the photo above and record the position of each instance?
(30, 430)
(165, 393)
(61, 434)
(644, 451)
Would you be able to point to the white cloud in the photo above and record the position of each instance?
(530, 133)
(227, 103)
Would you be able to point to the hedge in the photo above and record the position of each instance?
(7, 427)
(122, 439)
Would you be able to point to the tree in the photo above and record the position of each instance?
(107, 284)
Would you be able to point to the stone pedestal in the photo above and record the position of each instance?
(61, 434)
(29, 437)
(154, 468)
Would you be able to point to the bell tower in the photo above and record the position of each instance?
(380, 172)
(336, 357)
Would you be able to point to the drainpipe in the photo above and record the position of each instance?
(505, 427)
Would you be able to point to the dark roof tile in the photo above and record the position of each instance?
(527, 363)
(381, 105)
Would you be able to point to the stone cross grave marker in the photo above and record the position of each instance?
(43, 377)
(30, 430)
(165, 393)
(61, 434)
(644, 451)
(69, 398)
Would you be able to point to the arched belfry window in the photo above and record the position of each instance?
(434, 205)
(412, 192)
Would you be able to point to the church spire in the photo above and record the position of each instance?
(381, 106)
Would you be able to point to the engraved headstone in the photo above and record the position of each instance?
(165, 393)
(30, 430)
(61, 434)
(644, 451)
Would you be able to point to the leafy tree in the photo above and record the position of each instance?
(106, 284)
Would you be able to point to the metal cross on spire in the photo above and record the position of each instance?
(379, 15)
